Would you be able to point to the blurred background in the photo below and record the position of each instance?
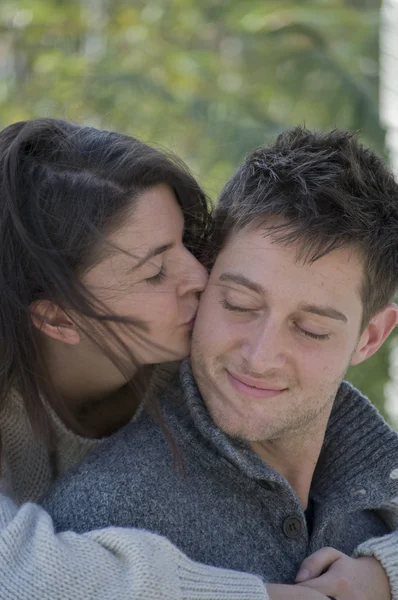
(211, 80)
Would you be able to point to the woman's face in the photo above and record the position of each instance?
(148, 275)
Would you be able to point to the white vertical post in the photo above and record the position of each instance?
(389, 118)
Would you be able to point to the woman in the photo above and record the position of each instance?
(97, 284)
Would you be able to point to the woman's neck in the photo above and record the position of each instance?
(103, 417)
(92, 389)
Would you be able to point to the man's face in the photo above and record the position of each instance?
(273, 336)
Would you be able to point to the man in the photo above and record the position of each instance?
(276, 456)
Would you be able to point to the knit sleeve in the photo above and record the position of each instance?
(128, 564)
(385, 550)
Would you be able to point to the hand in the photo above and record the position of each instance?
(335, 574)
(277, 591)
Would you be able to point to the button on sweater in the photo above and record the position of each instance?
(222, 504)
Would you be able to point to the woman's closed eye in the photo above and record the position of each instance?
(158, 278)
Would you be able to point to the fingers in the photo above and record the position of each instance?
(328, 585)
(314, 565)
(278, 591)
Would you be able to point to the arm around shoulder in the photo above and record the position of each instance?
(128, 564)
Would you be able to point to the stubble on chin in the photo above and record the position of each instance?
(299, 419)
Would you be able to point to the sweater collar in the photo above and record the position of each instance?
(359, 456)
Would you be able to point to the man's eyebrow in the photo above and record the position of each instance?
(242, 280)
(322, 311)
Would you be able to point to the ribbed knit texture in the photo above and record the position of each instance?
(122, 564)
(36, 564)
(28, 466)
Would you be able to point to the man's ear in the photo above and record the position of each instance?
(378, 329)
(53, 321)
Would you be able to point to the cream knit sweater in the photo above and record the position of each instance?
(108, 564)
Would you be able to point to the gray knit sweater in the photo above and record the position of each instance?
(226, 507)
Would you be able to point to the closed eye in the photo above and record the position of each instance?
(158, 278)
(313, 336)
(308, 334)
(234, 308)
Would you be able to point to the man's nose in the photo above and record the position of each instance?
(264, 347)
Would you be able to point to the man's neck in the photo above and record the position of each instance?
(295, 456)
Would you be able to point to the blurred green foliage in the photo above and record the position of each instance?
(209, 80)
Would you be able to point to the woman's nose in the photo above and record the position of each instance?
(195, 277)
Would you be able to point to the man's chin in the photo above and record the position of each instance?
(230, 424)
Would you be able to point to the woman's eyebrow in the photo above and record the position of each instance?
(151, 253)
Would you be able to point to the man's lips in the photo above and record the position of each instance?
(254, 388)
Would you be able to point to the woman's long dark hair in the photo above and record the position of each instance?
(62, 188)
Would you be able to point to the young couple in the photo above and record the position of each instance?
(262, 471)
